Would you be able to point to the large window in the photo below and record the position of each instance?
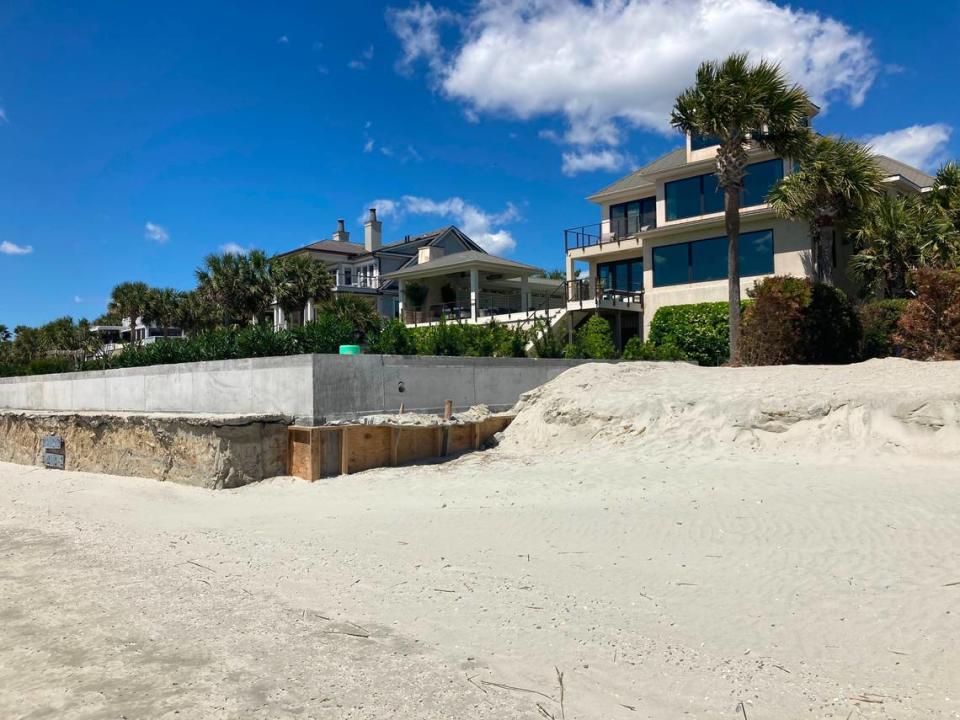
(621, 275)
(703, 260)
(699, 142)
(629, 218)
(700, 195)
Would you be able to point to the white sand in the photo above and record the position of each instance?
(677, 540)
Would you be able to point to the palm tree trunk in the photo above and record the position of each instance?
(731, 203)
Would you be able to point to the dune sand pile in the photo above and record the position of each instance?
(891, 405)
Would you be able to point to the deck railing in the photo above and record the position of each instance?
(616, 230)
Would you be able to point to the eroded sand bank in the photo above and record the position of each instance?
(673, 539)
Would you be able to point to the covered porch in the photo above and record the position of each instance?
(473, 287)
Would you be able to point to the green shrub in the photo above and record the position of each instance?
(636, 349)
(442, 339)
(324, 335)
(546, 342)
(393, 338)
(701, 332)
(47, 366)
(793, 320)
(594, 340)
(879, 321)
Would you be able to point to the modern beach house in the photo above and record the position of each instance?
(661, 238)
(442, 273)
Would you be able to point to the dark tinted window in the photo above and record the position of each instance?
(703, 260)
(699, 142)
(621, 275)
(683, 198)
(756, 253)
(761, 177)
(708, 259)
(712, 195)
(632, 217)
(671, 264)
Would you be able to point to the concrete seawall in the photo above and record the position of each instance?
(307, 388)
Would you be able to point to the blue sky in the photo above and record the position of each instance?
(137, 138)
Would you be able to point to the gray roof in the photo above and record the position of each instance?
(895, 167)
(407, 246)
(671, 161)
(458, 260)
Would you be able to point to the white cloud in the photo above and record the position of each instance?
(418, 28)
(361, 63)
(9, 248)
(591, 160)
(923, 146)
(486, 229)
(234, 249)
(3, 115)
(368, 145)
(157, 233)
(77, 299)
(283, 40)
(609, 65)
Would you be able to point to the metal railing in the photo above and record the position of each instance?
(594, 235)
(579, 291)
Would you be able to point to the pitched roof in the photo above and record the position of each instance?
(462, 259)
(895, 167)
(407, 246)
(672, 160)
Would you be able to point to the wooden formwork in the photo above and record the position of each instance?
(318, 452)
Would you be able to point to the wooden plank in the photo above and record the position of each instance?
(394, 444)
(460, 438)
(368, 446)
(330, 445)
(416, 443)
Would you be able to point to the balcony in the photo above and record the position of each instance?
(584, 294)
(599, 234)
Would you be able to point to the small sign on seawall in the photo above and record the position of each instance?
(54, 455)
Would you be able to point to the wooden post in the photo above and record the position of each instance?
(344, 452)
(447, 410)
(394, 445)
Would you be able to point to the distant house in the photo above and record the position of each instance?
(460, 280)
(661, 238)
(114, 337)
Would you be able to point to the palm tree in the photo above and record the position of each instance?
(890, 239)
(744, 107)
(129, 300)
(357, 311)
(197, 313)
(240, 284)
(946, 192)
(297, 279)
(163, 305)
(837, 179)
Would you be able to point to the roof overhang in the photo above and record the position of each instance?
(439, 268)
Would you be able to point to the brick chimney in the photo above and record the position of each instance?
(341, 235)
(372, 231)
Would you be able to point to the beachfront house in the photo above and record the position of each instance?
(423, 277)
(661, 240)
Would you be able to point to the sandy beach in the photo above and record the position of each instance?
(676, 541)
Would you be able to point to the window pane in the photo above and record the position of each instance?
(760, 178)
(683, 198)
(636, 275)
(712, 195)
(603, 275)
(648, 212)
(709, 259)
(699, 142)
(633, 217)
(621, 279)
(756, 253)
(670, 264)
(618, 219)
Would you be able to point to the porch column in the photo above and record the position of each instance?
(281, 318)
(400, 289)
(524, 294)
(308, 312)
(474, 293)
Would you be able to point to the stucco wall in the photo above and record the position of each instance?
(304, 388)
